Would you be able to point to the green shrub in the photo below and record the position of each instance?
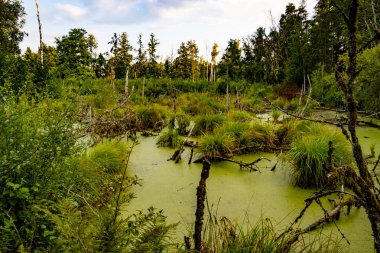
(206, 123)
(308, 154)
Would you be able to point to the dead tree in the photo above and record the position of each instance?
(363, 187)
(40, 32)
(201, 196)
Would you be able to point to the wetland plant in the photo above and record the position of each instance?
(308, 154)
(206, 123)
(109, 156)
(170, 139)
(151, 117)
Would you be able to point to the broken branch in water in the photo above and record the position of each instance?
(242, 164)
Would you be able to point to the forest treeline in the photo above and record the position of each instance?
(297, 50)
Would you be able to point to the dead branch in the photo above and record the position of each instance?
(328, 217)
(177, 154)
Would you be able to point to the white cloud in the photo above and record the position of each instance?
(73, 12)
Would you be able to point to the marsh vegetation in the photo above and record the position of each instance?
(103, 153)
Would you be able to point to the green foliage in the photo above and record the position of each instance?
(308, 154)
(151, 117)
(236, 137)
(202, 105)
(183, 123)
(108, 157)
(368, 88)
(169, 139)
(214, 145)
(275, 115)
(240, 116)
(206, 123)
(222, 235)
(326, 90)
(35, 142)
(74, 53)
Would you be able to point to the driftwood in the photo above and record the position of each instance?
(201, 196)
(177, 154)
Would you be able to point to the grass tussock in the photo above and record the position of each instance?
(206, 123)
(200, 104)
(222, 235)
(308, 154)
(240, 116)
(151, 117)
(237, 138)
(170, 139)
(108, 157)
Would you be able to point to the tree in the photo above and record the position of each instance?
(186, 63)
(122, 57)
(140, 65)
(153, 57)
(214, 54)
(361, 180)
(231, 63)
(74, 53)
(11, 24)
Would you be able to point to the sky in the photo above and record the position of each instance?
(172, 21)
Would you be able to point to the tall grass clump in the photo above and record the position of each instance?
(199, 104)
(170, 139)
(308, 154)
(214, 145)
(222, 235)
(206, 123)
(240, 116)
(151, 117)
(183, 123)
(108, 157)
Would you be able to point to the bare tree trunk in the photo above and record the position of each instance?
(126, 83)
(143, 87)
(40, 31)
(201, 196)
(227, 95)
(374, 14)
(364, 186)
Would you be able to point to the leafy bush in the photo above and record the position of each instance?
(35, 142)
(308, 154)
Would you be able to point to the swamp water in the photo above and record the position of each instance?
(237, 194)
